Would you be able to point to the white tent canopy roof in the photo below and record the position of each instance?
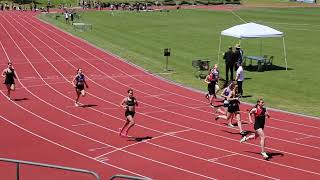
(251, 30)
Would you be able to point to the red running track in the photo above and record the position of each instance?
(42, 124)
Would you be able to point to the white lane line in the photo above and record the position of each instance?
(81, 124)
(217, 158)
(149, 112)
(134, 144)
(94, 149)
(303, 138)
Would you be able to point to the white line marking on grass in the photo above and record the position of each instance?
(238, 16)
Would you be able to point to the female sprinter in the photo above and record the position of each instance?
(79, 82)
(129, 103)
(260, 113)
(9, 74)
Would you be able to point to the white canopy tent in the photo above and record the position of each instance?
(253, 30)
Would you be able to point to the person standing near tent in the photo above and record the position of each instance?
(228, 57)
(260, 113)
(238, 55)
(240, 78)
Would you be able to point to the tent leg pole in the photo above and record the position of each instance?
(285, 53)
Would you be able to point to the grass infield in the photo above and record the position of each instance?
(141, 37)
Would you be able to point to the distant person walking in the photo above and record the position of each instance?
(260, 113)
(9, 74)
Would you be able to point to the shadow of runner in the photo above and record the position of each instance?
(238, 133)
(88, 105)
(139, 139)
(20, 99)
(246, 96)
(270, 154)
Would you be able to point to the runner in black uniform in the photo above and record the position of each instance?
(9, 74)
(129, 103)
(79, 82)
(212, 81)
(234, 110)
(260, 114)
(225, 93)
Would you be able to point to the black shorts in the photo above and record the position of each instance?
(212, 88)
(9, 81)
(259, 123)
(80, 87)
(129, 113)
(232, 108)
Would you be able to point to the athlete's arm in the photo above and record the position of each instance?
(251, 112)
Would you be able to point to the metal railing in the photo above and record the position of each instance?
(128, 177)
(18, 162)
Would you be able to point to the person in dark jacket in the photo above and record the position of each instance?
(228, 57)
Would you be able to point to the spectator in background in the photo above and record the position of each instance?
(66, 15)
(240, 78)
(228, 57)
(238, 55)
(72, 16)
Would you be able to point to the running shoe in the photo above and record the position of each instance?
(76, 104)
(207, 96)
(231, 125)
(216, 118)
(243, 132)
(243, 139)
(265, 155)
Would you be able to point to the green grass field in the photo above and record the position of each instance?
(141, 37)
